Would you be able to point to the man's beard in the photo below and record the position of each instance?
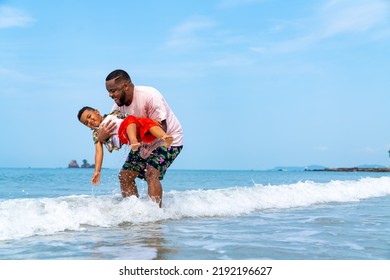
(122, 99)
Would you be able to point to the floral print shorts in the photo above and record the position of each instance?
(160, 158)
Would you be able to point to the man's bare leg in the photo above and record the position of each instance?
(154, 184)
(127, 182)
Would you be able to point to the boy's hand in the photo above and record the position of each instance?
(95, 178)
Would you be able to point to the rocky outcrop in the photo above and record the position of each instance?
(73, 164)
(85, 164)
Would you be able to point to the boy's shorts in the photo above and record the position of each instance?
(160, 158)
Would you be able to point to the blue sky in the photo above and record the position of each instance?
(255, 84)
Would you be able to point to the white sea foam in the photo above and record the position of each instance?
(44, 216)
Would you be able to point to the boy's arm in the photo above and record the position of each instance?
(98, 163)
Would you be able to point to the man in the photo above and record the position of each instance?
(151, 161)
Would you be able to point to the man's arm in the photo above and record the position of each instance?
(163, 124)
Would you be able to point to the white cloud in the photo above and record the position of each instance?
(346, 16)
(193, 24)
(336, 17)
(322, 148)
(185, 35)
(229, 4)
(11, 17)
(296, 44)
(232, 61)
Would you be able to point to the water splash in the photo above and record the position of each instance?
(44, 216)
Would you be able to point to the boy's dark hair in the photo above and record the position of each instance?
(83, 109)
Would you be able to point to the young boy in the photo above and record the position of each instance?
(130, 130)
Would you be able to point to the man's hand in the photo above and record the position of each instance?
(106, 130)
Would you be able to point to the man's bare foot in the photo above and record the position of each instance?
(168, 139)
(134, 147)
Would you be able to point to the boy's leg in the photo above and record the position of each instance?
(132, 134)
(158, 132)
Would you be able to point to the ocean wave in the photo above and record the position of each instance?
(26, 217)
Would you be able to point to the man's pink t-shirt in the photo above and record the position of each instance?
(148, 102)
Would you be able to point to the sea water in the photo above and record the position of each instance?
(206, 215)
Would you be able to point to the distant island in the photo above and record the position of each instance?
(73, 164)
(362, 168)
(353, 169)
